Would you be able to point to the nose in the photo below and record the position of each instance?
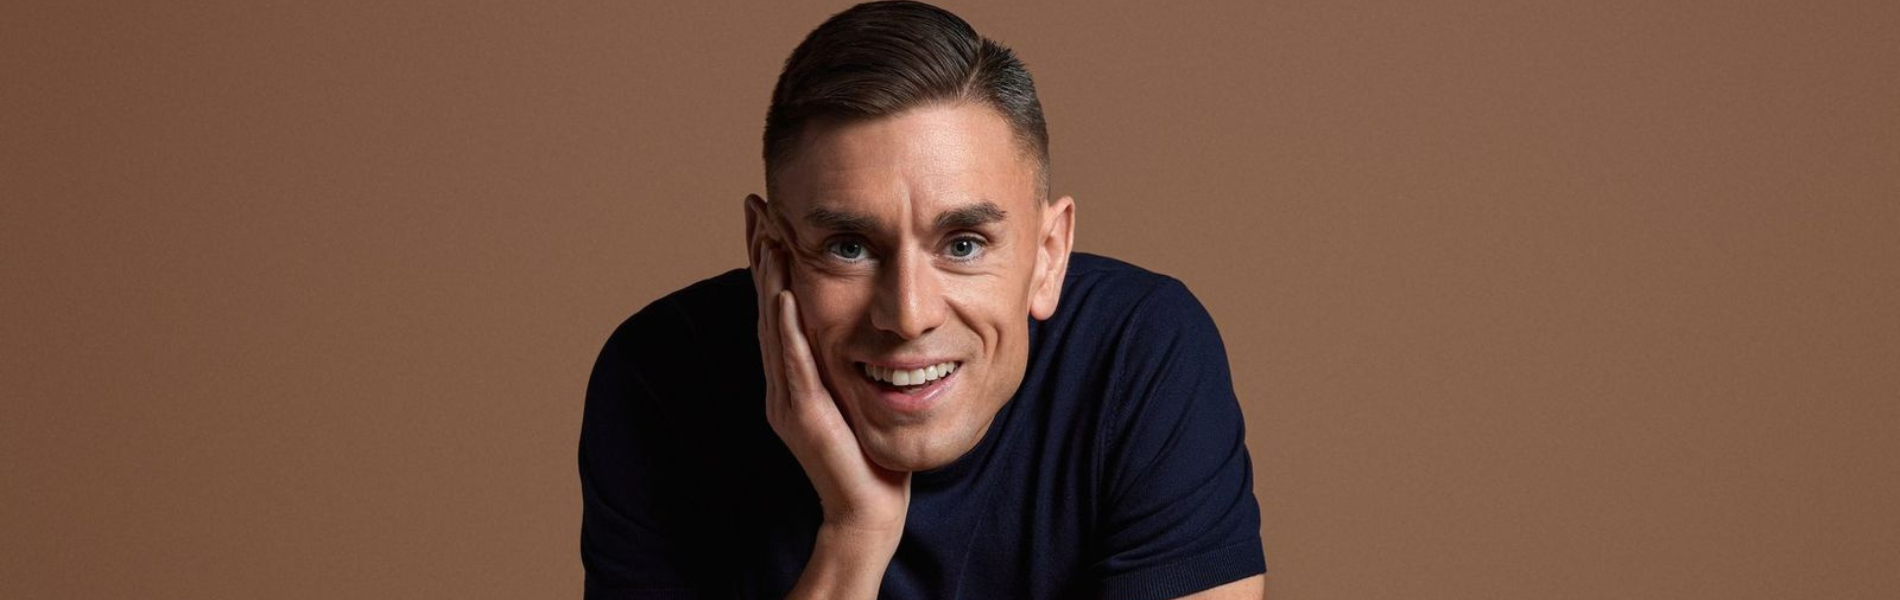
(909, 297)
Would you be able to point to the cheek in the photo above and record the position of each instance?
(828, 308)
(994, 309)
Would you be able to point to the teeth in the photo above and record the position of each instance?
(912, 376)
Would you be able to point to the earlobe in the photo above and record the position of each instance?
(1052, 257)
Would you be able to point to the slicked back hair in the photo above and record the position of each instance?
(880, 58)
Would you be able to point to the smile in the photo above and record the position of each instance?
(904, 378)
(910, 393)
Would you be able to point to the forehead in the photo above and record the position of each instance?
(928, 158)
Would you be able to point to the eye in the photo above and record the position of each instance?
(849, 250)
(965, 248)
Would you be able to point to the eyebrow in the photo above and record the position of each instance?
(838, 220)
(963, 217)
(971, 217)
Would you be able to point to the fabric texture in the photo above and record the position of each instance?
(1119, 469)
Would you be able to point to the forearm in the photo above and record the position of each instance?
(846, 564)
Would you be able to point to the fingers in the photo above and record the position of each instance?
(762, 282)
(770, 274)
(801, 370)
(766, 280)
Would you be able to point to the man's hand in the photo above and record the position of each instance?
(856, 493)
(864, 504)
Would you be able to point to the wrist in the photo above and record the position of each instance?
(847, 562)
(870, 538)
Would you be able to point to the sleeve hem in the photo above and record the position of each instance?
(1224, 565)
(604, 593)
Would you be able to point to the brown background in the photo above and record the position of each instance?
(1592, 299)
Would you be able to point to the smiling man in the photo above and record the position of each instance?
(915, 390)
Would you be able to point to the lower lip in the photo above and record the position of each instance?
(915, 400)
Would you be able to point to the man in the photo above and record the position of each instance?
(915, 391)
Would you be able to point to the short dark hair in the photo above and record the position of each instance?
(880, 58)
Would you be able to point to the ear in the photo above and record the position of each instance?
(757, 216)
(1052, 257)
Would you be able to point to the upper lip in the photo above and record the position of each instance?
(911, 364)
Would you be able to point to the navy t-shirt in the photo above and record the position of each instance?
(1118, 470)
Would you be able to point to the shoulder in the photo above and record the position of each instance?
(712, 303)
(682, 373)
(1158, 358)
(1122, 307)
(1134, 360)
(1147, 322)
(1125, 344)
(666, 350)
(1101, 284)
(714, 318)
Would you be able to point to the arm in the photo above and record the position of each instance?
(641, 534)
(864, 504)
(857, 538)
(844, 565)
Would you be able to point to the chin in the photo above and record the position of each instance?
(909, 464)
(917, 450)
(919, 431)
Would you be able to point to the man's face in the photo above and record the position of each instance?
(920, 247)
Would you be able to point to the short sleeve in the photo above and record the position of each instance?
(1180, 515)
(633, 542)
